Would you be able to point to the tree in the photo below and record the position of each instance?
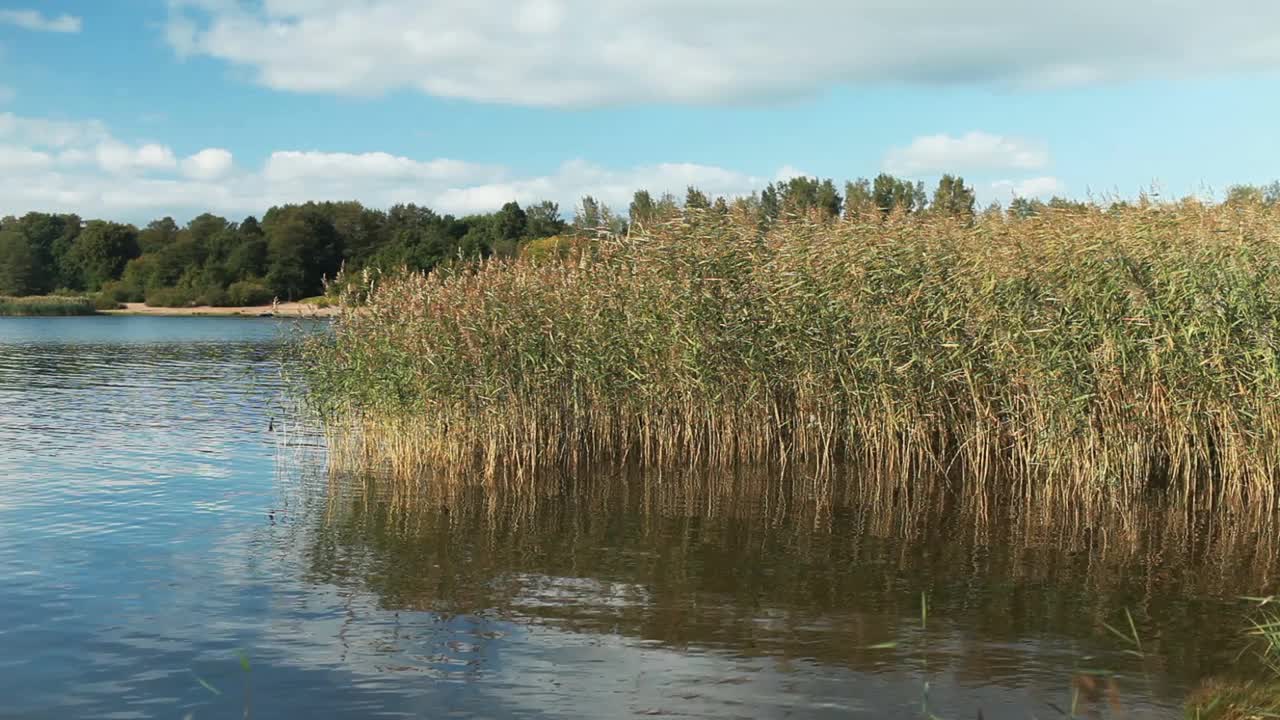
(769, 205)
(248, 259)
(588, 217)
(100, 252)
(1023, 208)
(1271, 193)
(695, 199)
(157, 235)
(508, 226)
(49, 237)
(643, 209)
(543, 220)
(953, 198)
(803, 195)
(891, 193)
(1245, 195)
(858, 199)
(303, 248)
(20, 270)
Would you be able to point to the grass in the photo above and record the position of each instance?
(1075, 359)
(47, 306)
(1247, 700)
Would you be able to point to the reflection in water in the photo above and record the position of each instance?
(749, 568)
(162, 510)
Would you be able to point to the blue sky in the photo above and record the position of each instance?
(132, 109)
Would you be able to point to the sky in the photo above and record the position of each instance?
(134, 109)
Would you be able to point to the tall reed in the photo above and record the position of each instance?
(46, 306)
(1077, 358)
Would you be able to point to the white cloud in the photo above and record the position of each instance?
(46, 132)
(974, 151)
(34, 20)
(208, 164)
(119, 158)
(1036, 187)
(80, 167)
(786, 172)
(20, 158)
(606, 52)
(288, 166)
(615, 188)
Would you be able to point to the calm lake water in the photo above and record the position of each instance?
(171, 546)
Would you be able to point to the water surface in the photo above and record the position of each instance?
(171, 546)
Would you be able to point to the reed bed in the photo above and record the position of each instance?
(1078, 359)
(46, 306)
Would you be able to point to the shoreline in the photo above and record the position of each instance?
(289, 309)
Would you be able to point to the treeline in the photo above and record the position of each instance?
(293, 249)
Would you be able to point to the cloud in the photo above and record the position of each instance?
(46, 132)
(974, 151)
(20, 158)
(575, 53)
(119, 158)
(208, 164)
(81, 167)
(615, 188)
(33, 20)
(288, 166)
(1036, 187)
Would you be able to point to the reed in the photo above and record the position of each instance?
(46, 306)
(1078, 358)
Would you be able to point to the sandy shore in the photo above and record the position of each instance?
(291, 309)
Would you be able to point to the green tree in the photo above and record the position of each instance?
(858, 199)
(20, 269)
(770, 207)
(695, 199)
(802, 195)
(595, 217)
(50, 237)
(953, 198)
(157, 235)
(1271, 193)
(543, 220)
(643, 209)
(100, 252)
(1245, 195)
(891, 193)
(1022, 208)
(589, 217)
(507, 227)
(303, 248)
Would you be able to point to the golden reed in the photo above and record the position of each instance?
(1079, 359)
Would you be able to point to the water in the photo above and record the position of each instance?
(171, 547)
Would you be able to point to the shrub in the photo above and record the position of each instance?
(104, 301)
(170, 297)
(548, 248)
(248, 293)
(120, 292)
(213, 297)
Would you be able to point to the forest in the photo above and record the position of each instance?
(294, 249)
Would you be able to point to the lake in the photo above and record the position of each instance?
(172, 546)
